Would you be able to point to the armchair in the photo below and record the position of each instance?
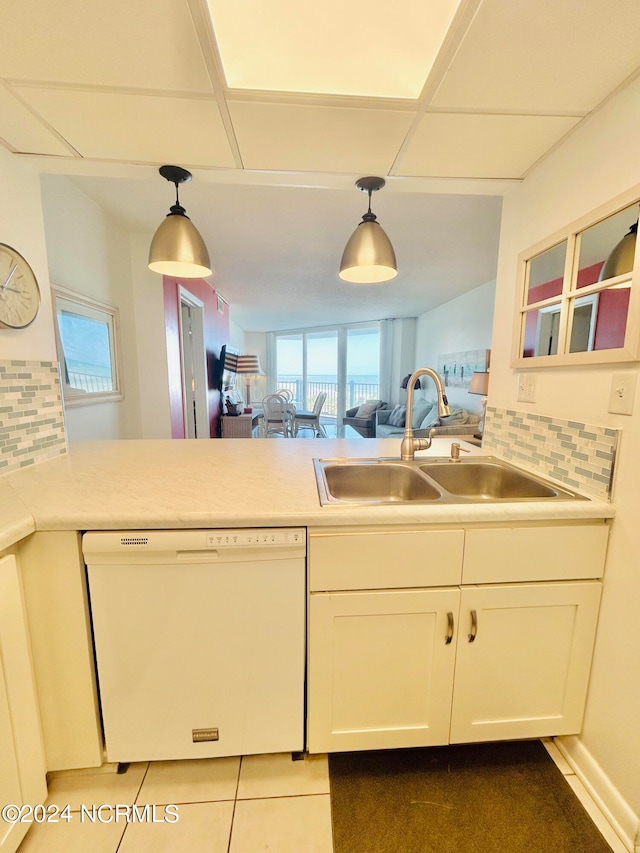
(365, 425)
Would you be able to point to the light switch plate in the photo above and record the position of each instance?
(623, 393)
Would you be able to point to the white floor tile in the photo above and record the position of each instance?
(97, 789)
(201, 828)
(278, 776)
(596, 815)
(73, 837)
(283, 825)
(195, 781)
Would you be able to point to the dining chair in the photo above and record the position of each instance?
(276, 415)
(287, 393)
(311, 419)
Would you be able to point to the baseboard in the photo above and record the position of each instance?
(623, 820)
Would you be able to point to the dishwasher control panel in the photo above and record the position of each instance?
(103, 545)
(243, 538)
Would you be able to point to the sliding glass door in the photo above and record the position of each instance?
(322, 370)
(343, 361)
(363, 365)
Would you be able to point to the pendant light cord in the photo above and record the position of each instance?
(177, 208)
(369, 217)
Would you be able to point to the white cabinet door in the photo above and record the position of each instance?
(10, 791)
(57, 609)
(523, 661)
(380, 668)
(22, 767)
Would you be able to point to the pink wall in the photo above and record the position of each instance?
(216, 333)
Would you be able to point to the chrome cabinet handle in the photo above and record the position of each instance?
(449, 636)
(474, 626)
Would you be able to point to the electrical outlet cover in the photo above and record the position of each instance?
(526, 387)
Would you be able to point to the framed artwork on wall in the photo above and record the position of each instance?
(457, 368)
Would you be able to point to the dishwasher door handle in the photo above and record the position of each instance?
(205, 556)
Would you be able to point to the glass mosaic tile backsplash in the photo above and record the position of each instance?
(575, 454)
(31, 417)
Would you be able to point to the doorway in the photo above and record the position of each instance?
(194, 367)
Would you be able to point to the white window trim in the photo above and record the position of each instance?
(88, 306)
(631, 349)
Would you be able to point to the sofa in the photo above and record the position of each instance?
(389, 423)
(361, 417)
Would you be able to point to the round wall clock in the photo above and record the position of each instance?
(19, 291)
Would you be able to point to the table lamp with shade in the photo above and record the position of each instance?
(249, 365)
(480, 385)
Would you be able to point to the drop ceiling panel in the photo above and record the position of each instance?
(141, 128)
(543, 56)
(333, 47)
(23, 131)
(480, 146)
(318, 139)
(143, 44)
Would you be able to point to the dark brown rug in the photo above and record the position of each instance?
(477, 798)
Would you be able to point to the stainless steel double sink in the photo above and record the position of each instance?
(430, 480)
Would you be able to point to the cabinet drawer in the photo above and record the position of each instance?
(385, 560)
(510, 555)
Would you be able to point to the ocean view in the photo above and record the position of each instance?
(325, 378)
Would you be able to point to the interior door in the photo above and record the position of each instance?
(194, 372)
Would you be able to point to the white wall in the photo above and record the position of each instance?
(87, 252)
(401, 355)
(465, 323)
(150, 334)
(236, 336)
(21, 227)
(596, 163)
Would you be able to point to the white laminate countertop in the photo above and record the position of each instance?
(16, 521)
(159, 484)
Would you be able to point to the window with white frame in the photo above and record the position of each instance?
(86, 337)
(577, 303)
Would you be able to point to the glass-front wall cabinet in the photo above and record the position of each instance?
(579, 304)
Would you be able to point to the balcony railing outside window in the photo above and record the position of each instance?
(357, 393)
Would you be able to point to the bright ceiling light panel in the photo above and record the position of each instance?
(333, 47)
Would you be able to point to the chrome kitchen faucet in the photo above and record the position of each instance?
(409, 443)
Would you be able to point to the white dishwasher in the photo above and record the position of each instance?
(200, 641)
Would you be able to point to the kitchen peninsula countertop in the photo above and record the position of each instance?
(16, 521)
(138, 484)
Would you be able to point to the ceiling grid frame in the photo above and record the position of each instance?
(181, 63)
(199, 11)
